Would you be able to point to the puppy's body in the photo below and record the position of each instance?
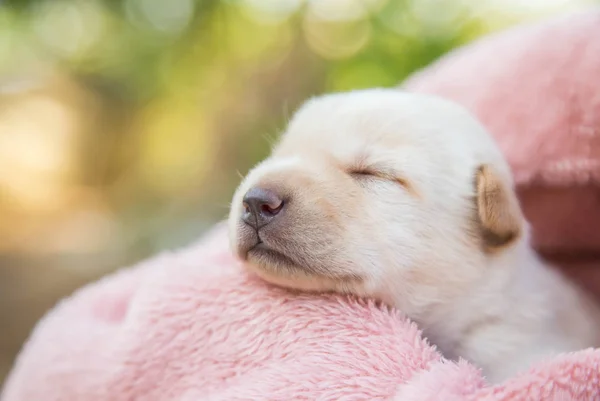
(406, 198)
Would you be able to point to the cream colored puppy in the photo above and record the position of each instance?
(407, 199)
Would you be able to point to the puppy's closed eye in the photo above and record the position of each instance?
(365, 173)
(365, 169)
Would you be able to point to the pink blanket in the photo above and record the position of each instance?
(191, 325)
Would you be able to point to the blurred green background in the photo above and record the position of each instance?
(124, 124)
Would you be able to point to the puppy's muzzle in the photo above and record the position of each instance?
(261, 207)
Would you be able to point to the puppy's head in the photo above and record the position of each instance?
(377, 192)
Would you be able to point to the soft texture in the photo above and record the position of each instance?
(192, 326)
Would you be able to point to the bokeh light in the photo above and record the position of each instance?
(170, 17)
(69, 28)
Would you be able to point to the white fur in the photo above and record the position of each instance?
(501, 310)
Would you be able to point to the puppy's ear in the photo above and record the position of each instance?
(498, 213)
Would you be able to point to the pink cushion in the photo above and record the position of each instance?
(537, 88)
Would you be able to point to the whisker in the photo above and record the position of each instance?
(225, 206)
(270, 139)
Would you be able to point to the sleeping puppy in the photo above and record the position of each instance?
(407, 199)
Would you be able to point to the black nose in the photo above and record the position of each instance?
(260, 207)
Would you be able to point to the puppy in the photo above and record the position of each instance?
(407, 199)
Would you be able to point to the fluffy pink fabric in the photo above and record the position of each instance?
(191, 326)
(536, 88)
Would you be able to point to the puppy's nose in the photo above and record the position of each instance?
(260, 207)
